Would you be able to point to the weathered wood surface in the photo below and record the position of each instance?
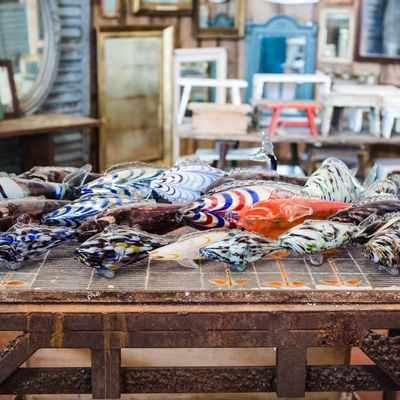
(44, 123)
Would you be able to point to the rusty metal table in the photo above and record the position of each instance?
(283, 303)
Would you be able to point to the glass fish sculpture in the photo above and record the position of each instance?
(116, 247)
(239, 248)
(34, 207)
(315, 236)
(16, 188)
(150, 217)
(75, 213)
(131, 180)
(187, 248)
(53, 174)
(271, 218)
(384, 250)
(26, 241)
(186, 181)
(395, 177)
(385, 188)
(332, 181)
(359, 212)
(214, 211)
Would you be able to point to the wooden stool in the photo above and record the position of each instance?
(309, 106)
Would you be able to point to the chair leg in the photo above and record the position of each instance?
(387, 125)
(326, 120)
(375, 122)
(311, 122)
(274, 121)
(355, 119)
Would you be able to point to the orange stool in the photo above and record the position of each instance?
(309, 106)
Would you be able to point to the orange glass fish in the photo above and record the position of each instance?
(271, 218)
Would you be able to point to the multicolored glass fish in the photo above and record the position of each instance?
(239, 248)
(187, 248)
(131, 180)
(34, 207)
(75, 213)
(186, 181)
(117, 247)
(214, 211)
(271, 218)
(384, 249)
(150, 217)
(26, 241)
(332, 181)
(315, 236)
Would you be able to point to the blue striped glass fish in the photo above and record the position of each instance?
(213, 211)
(332, 181)
(186, 181)
(116, 247)
(129, 180)
(26, 241)
(75, 213)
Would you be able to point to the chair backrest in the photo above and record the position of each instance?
(260, 80)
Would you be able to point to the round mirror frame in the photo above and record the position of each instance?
(30, 102)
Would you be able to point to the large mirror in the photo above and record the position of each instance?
(29, 38)
(336, 35)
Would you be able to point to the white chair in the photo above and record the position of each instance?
(390, 115)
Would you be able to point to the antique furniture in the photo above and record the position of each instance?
(162, 7)
(281, 45)
(369, 97)
(186, 132)
(35, 51)
(378, 31)
(220, 19)
(277, 106)
(37, 131)
(135, 93)
(7, 83)
(336, 36)
(233, 85)
(208, 63)
(280, 303)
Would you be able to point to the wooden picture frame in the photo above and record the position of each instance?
(160, 8)
(363, 37)
(336, 59)
(16, 111)
(103, 13)
(236, 31)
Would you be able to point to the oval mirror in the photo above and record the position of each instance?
(29, 37)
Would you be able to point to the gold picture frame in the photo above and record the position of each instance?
(160, 7)
(135, 94)
(218, 28)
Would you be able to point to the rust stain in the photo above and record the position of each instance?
(5, 280)
(57, 336)
(230, 282)
(329, 253)
(15, 283)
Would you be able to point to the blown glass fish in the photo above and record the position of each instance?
(315, 236)
(75, 213)
(186, 181)
(116, 247)
(26, 241)
(271, 218)
(332, 181)
(34, 207)
(131, 179)
(187, 248)
(150, 217)
(384, 249)
(359, 212)
(214, 211)
(239, 248)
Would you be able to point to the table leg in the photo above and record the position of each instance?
(326, 120)
(274, 121)
(223, 150)
(311, 122)
(37, 150)
(375, 123)
(106, 366)
(294, 151)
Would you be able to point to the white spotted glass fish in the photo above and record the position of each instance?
(187, 248)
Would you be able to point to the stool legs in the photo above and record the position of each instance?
(326, 120)
(387, 125)
(274, 121)
(311, 122)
